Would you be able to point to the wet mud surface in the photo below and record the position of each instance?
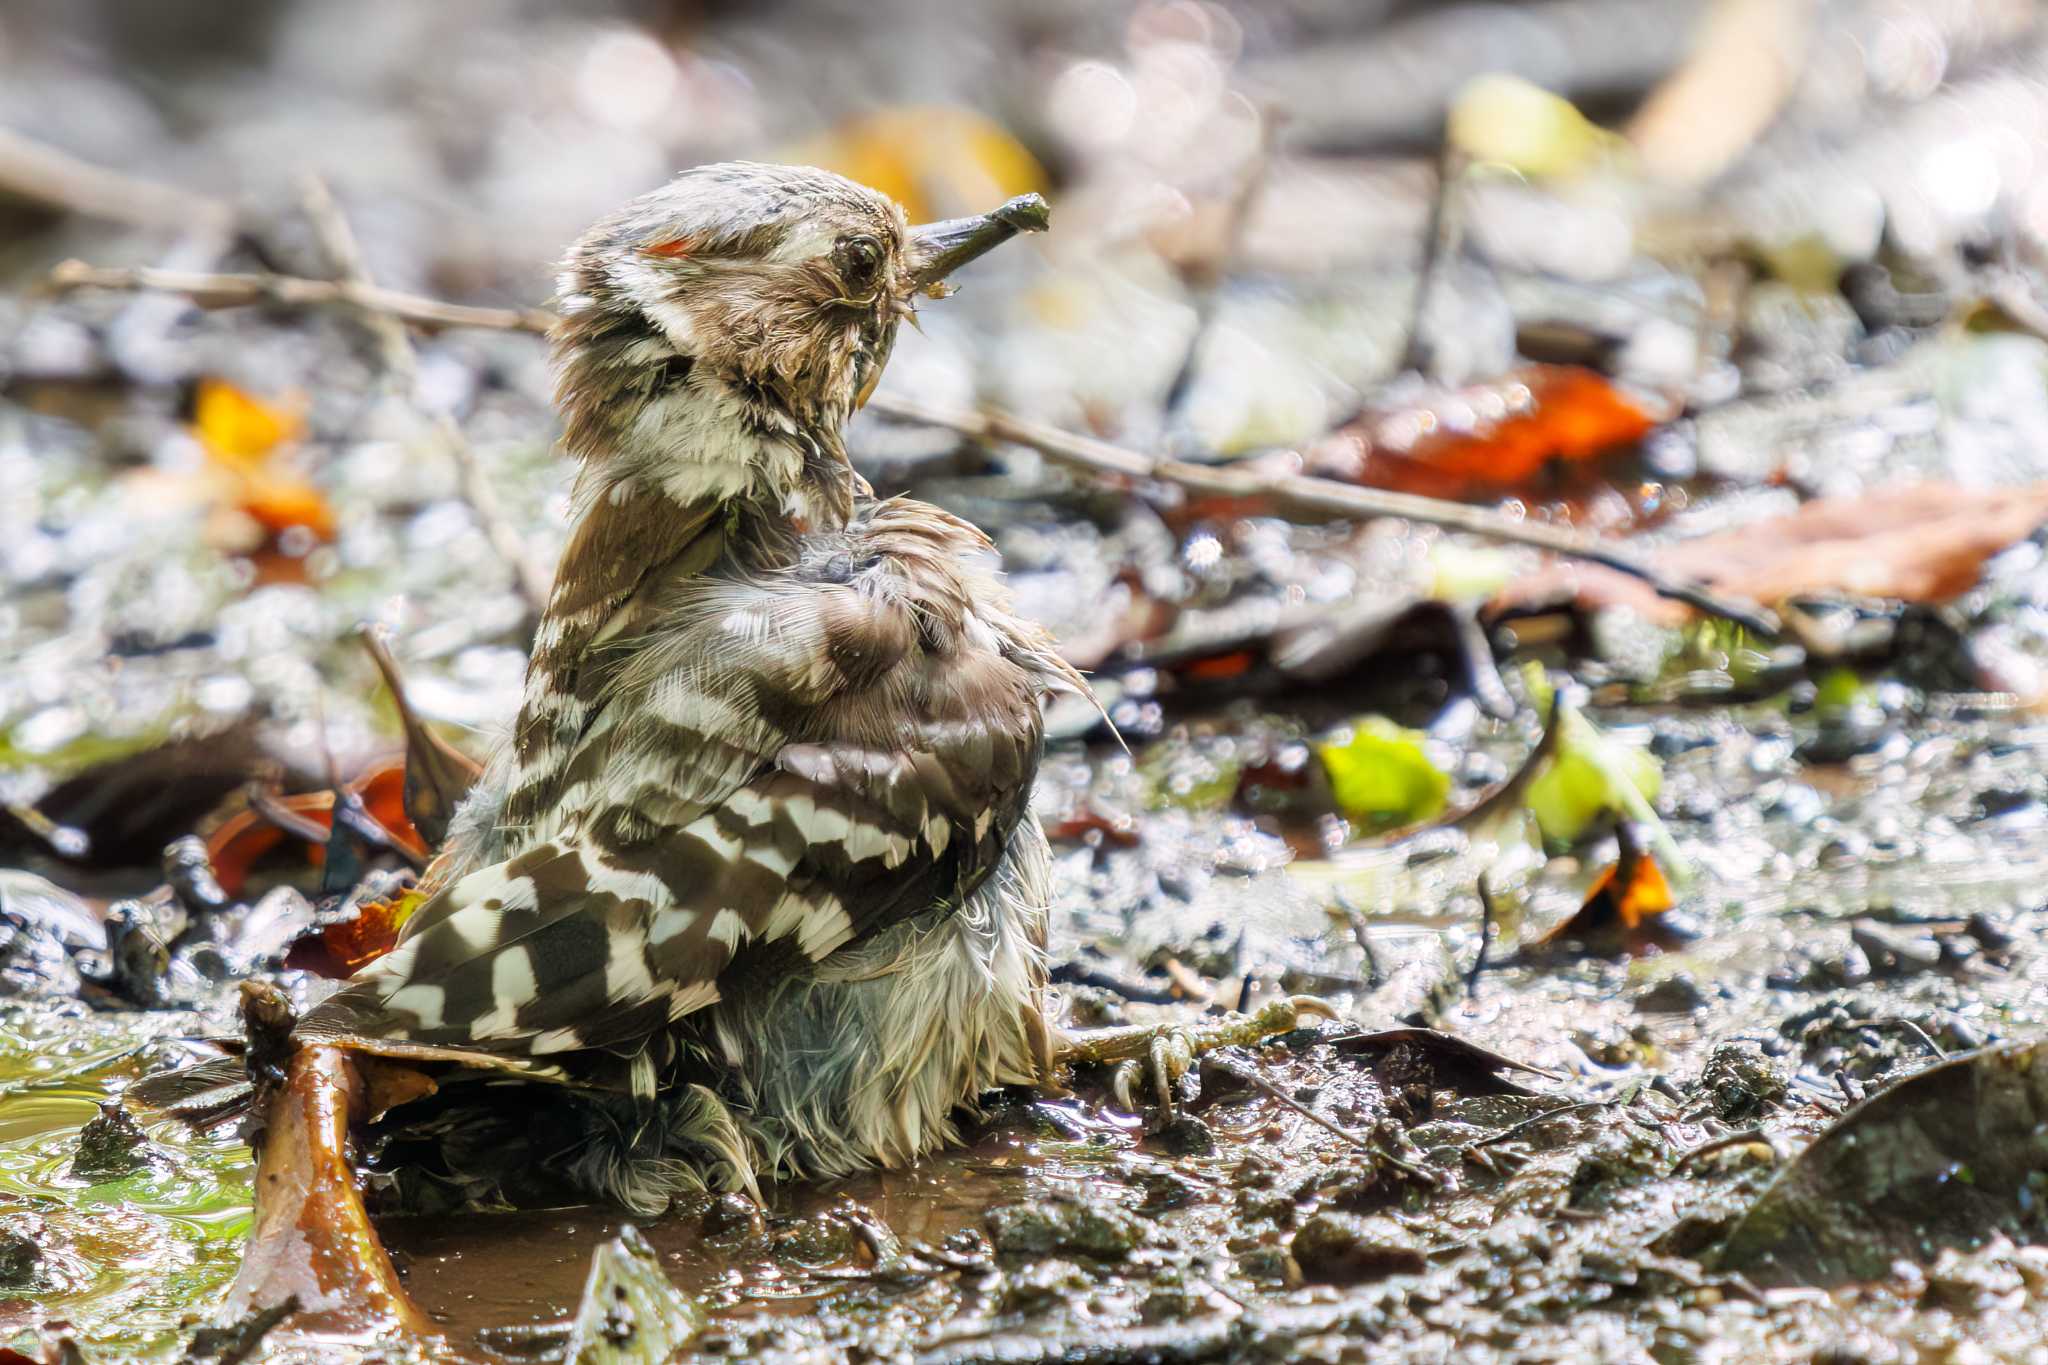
(1579, 1219)
(1853, 818)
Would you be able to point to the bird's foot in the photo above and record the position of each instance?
(1157, 1056)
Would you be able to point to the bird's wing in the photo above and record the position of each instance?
(608, 564)
(698, 828)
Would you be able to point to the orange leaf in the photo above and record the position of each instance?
(1221, 667)
(242, 434)
(1488, 439)
(237, 428)
(241, 841)
(382, 789)
(278, 503)
(246, 837)
(1622, 902)
(373, 932)
(1646, 893)
(934, 160)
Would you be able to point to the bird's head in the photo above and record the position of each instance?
(717, 332)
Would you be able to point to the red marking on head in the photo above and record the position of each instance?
(674, 248)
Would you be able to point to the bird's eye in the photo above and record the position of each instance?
(859, 260)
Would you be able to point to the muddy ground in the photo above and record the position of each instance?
(1852, 816)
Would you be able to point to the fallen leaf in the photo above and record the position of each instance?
(1459, 1065)
(239, 429)
(311, 1238)
(1221, 667)
(1503, 120)
(1590, 777)
(1486, 440)
(1913, 543)
(1629, 892)
(1621, 904)
(935, 160)
(371, 932)
(243, 437)
(1946, 1157)
(1115, 829)
(1380, 775)
(248, 836)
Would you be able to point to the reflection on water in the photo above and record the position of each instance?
(129, 1263)
(502, 1270)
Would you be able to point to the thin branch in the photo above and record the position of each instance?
(1487, 917)
(35, 171)
(1298, 492)
(339, 239)
(1443, 239)
(1320, 497)
(1207, 277)
(1515, 1130)
(1359, 1141)
(1940, 1053)
(1722, 1144)
(217, 290)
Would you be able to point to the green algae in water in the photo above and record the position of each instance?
(132, 1262)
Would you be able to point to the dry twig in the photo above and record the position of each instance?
(1319, 497)
(1443, 238)
(1359, 1141)
(34, 171)
(1487, 916)
(1722, 1144)
(1299, 493)
(1515, 1130)
(1207, 276)
(210, 289)
(403, 363)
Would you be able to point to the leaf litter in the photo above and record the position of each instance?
(1866, 858)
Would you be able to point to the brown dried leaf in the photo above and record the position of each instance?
(1944, 1158)
(1913, 543)
(248, 836)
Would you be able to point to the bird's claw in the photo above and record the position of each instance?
(1169, 1056)
(1161, 1055)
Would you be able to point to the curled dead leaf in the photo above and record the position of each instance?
(371, 932)
(312, 1239)
(1623, 903)
(248, 836)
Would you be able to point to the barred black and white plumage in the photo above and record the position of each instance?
(753, 887)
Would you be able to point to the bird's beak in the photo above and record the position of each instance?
(939, 249)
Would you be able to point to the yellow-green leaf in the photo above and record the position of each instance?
(1380, 775)
(1503, 120)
